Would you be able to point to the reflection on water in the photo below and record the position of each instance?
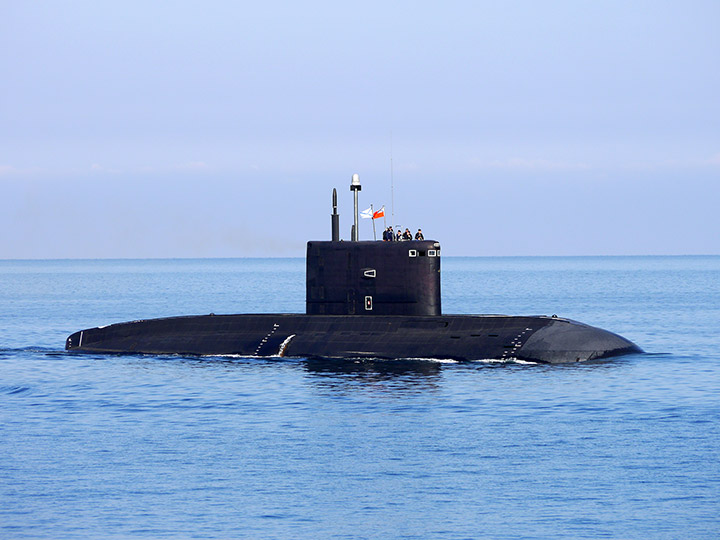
(397, 375)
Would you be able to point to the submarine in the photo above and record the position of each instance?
(364, 300)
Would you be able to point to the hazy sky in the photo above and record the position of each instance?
(193, 129)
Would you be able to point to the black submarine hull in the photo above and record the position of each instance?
(457, 337)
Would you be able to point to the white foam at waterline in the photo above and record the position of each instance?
(413, 359)
(230, 356)
(435, 360)
(524, 362)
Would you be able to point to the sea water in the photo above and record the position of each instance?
(143, 446)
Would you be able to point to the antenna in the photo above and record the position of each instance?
(392, 190)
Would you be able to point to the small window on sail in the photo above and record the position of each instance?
(432, 253)
(412, 253)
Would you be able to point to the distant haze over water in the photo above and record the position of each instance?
(508, 128)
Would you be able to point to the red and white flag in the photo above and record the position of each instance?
(380, 213)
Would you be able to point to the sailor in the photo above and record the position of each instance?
(399, 236)
(419, 235)
(391, 234)
(407, 235)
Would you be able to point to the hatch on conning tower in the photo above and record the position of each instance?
(371, 278)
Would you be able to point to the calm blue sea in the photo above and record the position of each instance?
(151, 447)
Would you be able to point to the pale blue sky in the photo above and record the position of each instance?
(193, 129)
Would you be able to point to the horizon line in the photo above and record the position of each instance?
(38, 259)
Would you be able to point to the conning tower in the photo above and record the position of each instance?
(371, 278)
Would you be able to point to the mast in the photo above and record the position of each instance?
(355, 187)
(335, 219)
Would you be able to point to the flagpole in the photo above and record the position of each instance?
(372, 213)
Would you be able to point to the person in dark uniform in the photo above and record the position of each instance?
(399, 236)
(407, 235)
(419, 235)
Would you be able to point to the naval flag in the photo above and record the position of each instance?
(371, 214)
